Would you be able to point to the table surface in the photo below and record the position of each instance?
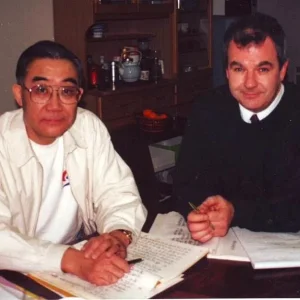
(211, 279)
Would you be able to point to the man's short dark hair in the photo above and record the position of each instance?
(46, 49)
(255, 29)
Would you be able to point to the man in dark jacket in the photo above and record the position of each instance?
(240, 157)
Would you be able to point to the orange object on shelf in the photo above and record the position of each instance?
(151, 121)
(147, 112)
(150, 114)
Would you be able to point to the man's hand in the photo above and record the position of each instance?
(103, 270)
(213, 219)
(114, 242)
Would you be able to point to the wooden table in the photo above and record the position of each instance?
(227, 279)
(213, 279)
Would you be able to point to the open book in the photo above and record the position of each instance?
(172, 226)
(163, 264)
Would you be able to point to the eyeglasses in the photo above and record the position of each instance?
(42, 93)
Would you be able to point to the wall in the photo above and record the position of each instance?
(287, 13)
(22, 22)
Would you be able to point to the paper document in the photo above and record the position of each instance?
(163, 263)
(11, 291)
(173, 226)
(268, 250)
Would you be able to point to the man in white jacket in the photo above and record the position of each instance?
(59, 175)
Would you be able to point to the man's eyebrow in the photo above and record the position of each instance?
(69, 79)
(261, 64)
(235, 64)
(39, 78)
(265, 63)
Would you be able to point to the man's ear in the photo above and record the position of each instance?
(226, 72)
(283, 70)
(81, 93)
(17, 92)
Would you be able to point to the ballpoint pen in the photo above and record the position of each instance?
(195, 208)
(134, 261)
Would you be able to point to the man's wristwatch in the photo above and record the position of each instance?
(127, 233)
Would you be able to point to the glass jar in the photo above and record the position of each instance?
(143, 44)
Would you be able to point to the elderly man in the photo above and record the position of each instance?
(60, 174)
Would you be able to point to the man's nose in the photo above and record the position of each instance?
(250, 79)
(54, 101)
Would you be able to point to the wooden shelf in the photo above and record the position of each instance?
(127, 87)
(198, 72)
(115, 8)
(126, 23)
(201, 12)
(188, 35)
(192, 51)
(121, 36)
(124, 11)
(163, 8)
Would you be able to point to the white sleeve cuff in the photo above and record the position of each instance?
(54, 257)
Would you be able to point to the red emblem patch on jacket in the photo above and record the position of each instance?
(65, 178)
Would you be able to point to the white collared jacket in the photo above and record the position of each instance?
(100, 181)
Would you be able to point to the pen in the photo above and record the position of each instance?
(195, 208)
(134, 261)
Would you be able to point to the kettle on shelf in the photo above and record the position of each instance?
(129, 67)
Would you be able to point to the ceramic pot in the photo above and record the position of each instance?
(130, 71)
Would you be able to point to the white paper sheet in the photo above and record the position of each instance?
(9, 293)
(173, 226)
(164, 261)
(270, 250)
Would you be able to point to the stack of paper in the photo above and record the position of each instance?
(163, 263)
(264, 250)
(173, 226)
(269, 250)
(168, 250)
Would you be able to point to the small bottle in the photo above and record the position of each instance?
(113, 76)
(118, 78)
(92, 69)
(101, 83)
(101, 60)
(104, 80)
(145, 69)
(156, 73)
(107, 75)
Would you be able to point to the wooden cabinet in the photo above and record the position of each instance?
(141, 9)
(127, 22)
(194, 35)
(194, 27)
(119, 108)
(192, 84)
